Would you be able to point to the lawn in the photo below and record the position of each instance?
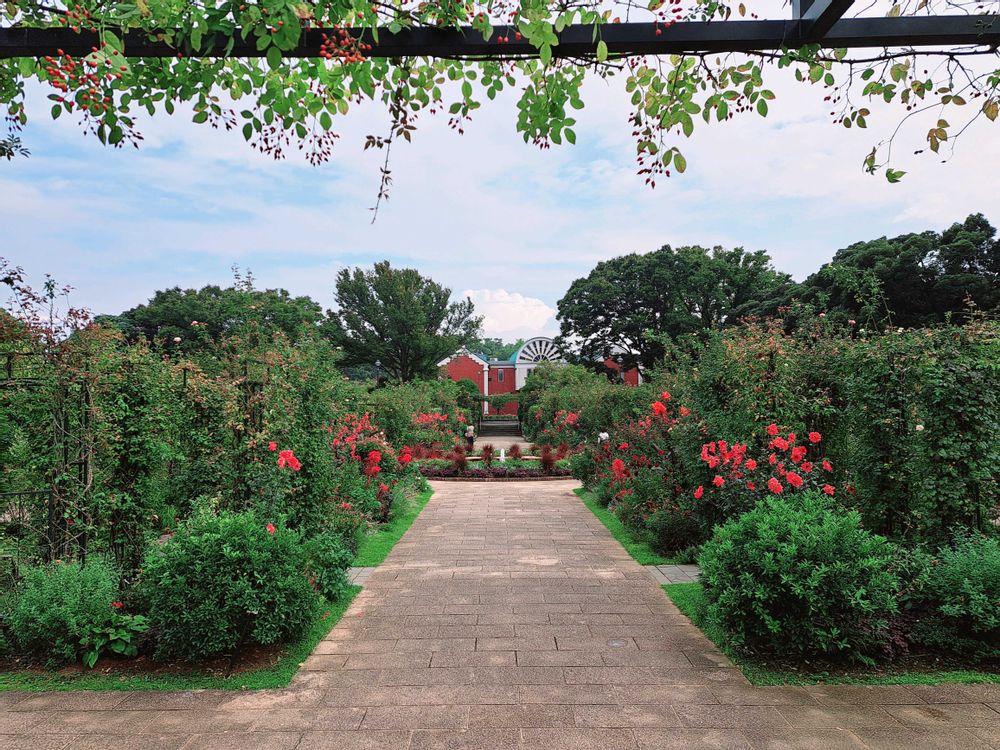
(277, 675)
(374, 548)
(639, 549)
(690, 599)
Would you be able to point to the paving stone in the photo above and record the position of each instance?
(625, 716)
(465, 739)
(947, 714)
(905, 738)
(730, 717)
(532, 716)
(301, 719)
(579, 739)
(688, 739)
(133, 742)
(804, 739)
(253, 741)
(416, 717)
(357, 740)
(838, 717)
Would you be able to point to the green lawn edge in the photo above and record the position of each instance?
(690, 600)
(374, 548)
(278, 675)
(640, 551)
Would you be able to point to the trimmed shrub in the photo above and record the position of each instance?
(673, 529)
(58, 605)
(961, 600)
(797, 577)
(327, 561)
(227, 581)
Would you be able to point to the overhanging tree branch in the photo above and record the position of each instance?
(624, 39)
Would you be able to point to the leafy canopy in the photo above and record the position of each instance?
(400, 319)
(190, 320)
(667, 293)
(281, 103)
(911, 280)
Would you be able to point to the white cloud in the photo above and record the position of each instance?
(511, 315)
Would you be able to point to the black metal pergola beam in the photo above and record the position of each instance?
(574, 41)
(817, 17)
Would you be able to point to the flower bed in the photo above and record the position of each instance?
(525, 468)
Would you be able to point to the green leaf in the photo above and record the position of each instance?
(762, 107)
(894, 175)
(602, 51)
(200, 117)
(56, 111)
(570, 135)
(273, 57)
(680, 163)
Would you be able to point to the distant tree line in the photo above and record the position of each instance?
(394, 323)
(631, 307)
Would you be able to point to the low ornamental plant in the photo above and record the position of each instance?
(486, 454)
(959, 602)
(226, 581)
(797, 577)
(59, 606)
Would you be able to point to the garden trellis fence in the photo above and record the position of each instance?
(820, 22)
(51, 522)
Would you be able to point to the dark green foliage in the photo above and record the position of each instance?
(674, 529)
(58, 605)
(960, 600)
(401, 319)
(327, 561)
(627, 305)
(797, 577)
(225, 581)
(913, 279)
(202, 318)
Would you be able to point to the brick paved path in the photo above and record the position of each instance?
(508, 617)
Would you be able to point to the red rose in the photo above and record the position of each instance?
(815, 437)
(658, 408)
(718, 481)
(117, 605)
(794, 479)
(828, 489)
(699, 492)
(750, 464)
(772, 429)
(827, 466)
(272, 446)
(271, 528)
(775, 486)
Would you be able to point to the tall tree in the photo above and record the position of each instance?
(912, 279)
(194, 319)
(400, 319)
(668, 292)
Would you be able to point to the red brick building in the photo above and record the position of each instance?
(494, 377)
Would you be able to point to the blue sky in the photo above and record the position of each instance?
(483, 213)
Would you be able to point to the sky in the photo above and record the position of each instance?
(483, 213)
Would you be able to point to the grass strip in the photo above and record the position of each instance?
(639, 549)
(278, 675)
(374, 548)
(690, 599)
